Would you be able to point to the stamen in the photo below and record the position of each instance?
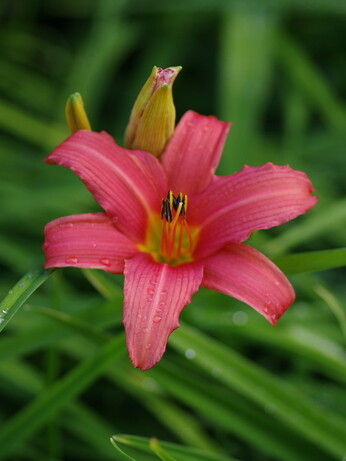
(173, 214)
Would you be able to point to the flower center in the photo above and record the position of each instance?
(169, 238)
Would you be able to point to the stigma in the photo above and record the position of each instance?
(176, 239)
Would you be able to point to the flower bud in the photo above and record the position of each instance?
(76, 116)
(152, 118)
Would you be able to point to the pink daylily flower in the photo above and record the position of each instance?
(171, 226)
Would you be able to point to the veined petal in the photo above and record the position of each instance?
(246, 274)
(193, 152)
(254, 198)
(154, 295)
(86, 240)
(127, 184)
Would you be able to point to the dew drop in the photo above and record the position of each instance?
(10, 292)
(216, 372)
(150, 291)
(145, 330)
(153, 282)
(105, 262)
(149, 299)
(163, 291)
(72, 260)
(65, 225)
(4, 311)
(240, 318)
(30, 276)
(150, 384)
(162, 303)
(21, 284)
(1, 320)
(147, 346)
(94, 245)
(190, 354)
(157, 319)
(269, 408)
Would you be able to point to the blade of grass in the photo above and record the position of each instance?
(311, 261)
(30, 419)
(20, 293)
(179, 452)
(318, 425)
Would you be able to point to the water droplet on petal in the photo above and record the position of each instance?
(71, 260)
(145, 330)
(93, 245)
(150, 291)
(105, 262)
(153, 282)
(65, 225)
(190, 354)
(147, 346)
(157, 319)
(163, 291)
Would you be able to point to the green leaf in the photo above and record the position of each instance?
(99, 280)
(20, 293)
(31, 418)
(172, 451)
(311, 261)
(159, 451)
(288, 405)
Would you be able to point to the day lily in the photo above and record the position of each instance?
(171, 226)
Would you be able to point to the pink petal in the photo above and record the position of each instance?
(86, 240)
(254, 198)
(127, 184)
(246, 274)
(154, 294)
(193, 152)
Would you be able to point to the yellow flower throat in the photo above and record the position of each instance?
(169, 239)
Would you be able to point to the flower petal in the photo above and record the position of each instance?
(246, 274)
(254, 198)
(193, 152)
(154, 294)
(86, 240)
(127, 184)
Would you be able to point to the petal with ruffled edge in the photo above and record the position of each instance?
(254, 198)
(246, 274)
(154, 296)
(86, 240)
(129, 185)
(193, 152)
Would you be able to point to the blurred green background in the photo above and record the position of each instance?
(238, 388)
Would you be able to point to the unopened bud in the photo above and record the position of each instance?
(152, 119)
(76, 116)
